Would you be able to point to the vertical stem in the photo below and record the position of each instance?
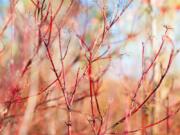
(68, 106)
(69, 124)
(91, 86)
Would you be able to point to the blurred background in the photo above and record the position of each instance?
(100, 45)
